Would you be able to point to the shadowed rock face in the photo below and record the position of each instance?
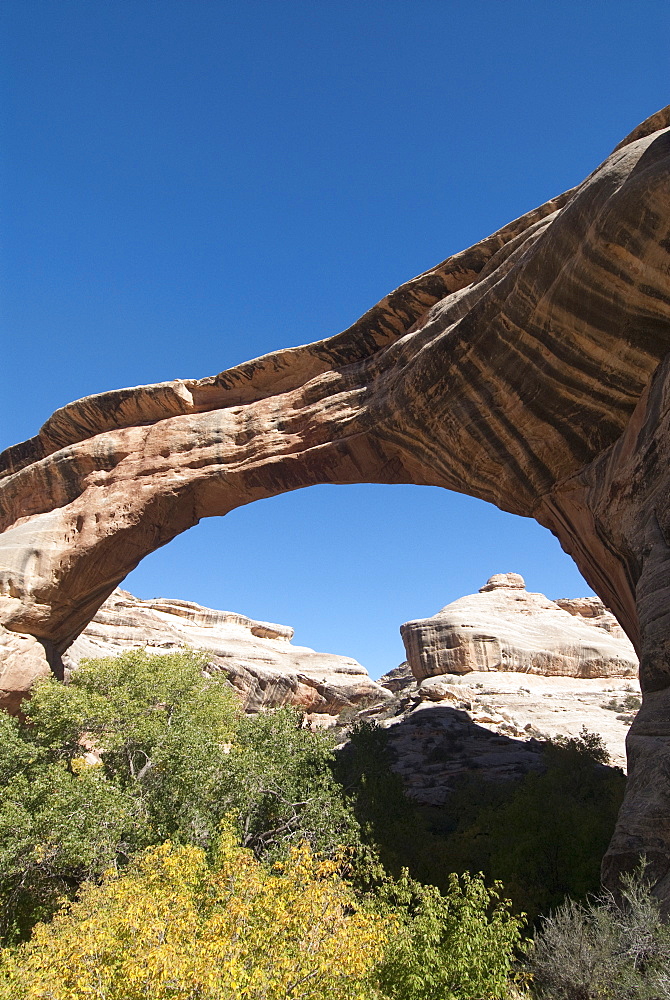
(528, 371)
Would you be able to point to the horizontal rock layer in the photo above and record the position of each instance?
(516, 707)
(258, 657)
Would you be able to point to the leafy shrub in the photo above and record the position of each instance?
(459, 945)
(59, 825)
(544, 836)
(177, 926)
(627, 707)
(590, 747)
(176, 756)
(177, 923)
(605, 950)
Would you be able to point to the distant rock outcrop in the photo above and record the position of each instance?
(258, 658)
(504, 627)
(521, 709)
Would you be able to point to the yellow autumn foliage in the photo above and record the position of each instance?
(175, 926)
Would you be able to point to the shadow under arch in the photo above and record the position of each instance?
(439, 793)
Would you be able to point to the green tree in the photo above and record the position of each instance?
(456, 945)
(543, 836)
(176, 755)
(281, 787)
(59, 824)
(174, 737)
(132, 709)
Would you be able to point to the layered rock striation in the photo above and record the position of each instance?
(259, 659)
(530, 370)
(504, 627)
(493, 675)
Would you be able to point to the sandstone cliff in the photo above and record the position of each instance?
(504, 627)
(258, 658)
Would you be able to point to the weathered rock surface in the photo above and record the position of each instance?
(504, 627)
(495, 673)
(258, 657)
(481, 730)
(434, 747)
(529, 371)
(23, 660)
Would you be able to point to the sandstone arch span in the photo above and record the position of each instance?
(531, 371)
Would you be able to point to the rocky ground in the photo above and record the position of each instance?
(492, 723)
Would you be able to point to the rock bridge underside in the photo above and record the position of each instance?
(531, 370)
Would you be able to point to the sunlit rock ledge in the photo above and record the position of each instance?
(504, 627)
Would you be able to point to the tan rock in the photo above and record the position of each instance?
(23, 660)
(504, 627)
(398, 679)
(438, 689)
(435, 746)
(488, 724)
(594, 611)
(258, 658)
(518, 705)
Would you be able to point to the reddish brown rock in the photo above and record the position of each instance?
(527, 371)
(23, 660)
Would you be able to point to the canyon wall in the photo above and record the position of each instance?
(259, 659)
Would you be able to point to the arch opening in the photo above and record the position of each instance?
(346, 566)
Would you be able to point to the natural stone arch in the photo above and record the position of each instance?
(527, 371)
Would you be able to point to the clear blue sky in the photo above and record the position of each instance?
(188, 184)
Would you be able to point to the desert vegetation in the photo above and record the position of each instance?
(156, 842)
